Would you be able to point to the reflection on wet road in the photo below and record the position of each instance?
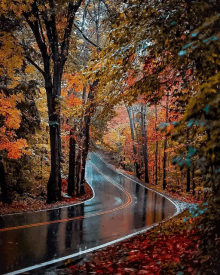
(120, 207)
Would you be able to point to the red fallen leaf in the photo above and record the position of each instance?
(143, 272)
(99, 271)
(110, 269)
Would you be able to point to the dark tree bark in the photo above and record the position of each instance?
(165, 148)
(137, 167)
(159, 164)
(54, 55)
(193, 182)
(3, 182)
(87, 121)
(156, 149)
(188, 180)
(144, 141)
(188, 168)
(78, 171)
(72, 164)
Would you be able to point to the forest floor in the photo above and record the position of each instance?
(169, 248)
(28, 202)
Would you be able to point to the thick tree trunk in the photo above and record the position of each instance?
(165, 148)
(54, 183)
(72, 164)
(156, 149)
(3, 182)
(137, 167)
(144, 141)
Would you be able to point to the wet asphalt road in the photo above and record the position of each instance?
(119, 208)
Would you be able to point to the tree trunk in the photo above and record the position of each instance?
(54, 183)
(188, 168)
(188, 180)
(144, 141)
(159, 163)
(165, 164)
(72, 164)
(3, 182)
(165, 148)
(78, 173)
(156, 149)
(54, 54)
(193, 182)
(87, 122)
(137, 167)
(84, 131)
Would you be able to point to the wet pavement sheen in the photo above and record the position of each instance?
(119, 208)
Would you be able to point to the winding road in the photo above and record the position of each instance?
(120, 208)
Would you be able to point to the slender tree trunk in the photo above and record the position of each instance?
(78, 174)
(188, 180)
(84, 131)
(165, 164)
(72, 164)
(87, 118)
(193, 182)
(156, 149)
(3, 182)
(188, 168)
(165, 147)
(85, 151)
(159, 163)
(132, 137)
(144, 142)
(153, 176)
(123, 166)
(87, 122)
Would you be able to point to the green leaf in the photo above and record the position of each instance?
(206, 109)
(188, 162)
(191, 152)
(182, 52)
(190, 123)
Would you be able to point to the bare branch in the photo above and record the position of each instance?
(92, 17)
(35, 29)
(87, 39)
(107, 7)
(72, 9)
(35, 65)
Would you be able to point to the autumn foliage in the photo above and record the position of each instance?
(165, 249)
(11, 119)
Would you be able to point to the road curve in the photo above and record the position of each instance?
(120, 208)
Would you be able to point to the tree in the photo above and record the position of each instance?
(14, 148)
(45, 22)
